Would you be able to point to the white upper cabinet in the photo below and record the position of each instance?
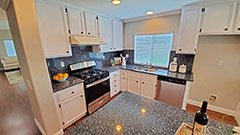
(91, 24)
(218, 18)
(76, 21)
(52, 22)
(237, 27)
(104, 25)
(189, 29)
(117, 36)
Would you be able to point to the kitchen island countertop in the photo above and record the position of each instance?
(127, 111)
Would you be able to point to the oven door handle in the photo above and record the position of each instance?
(97, 82)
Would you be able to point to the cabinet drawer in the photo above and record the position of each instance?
(70, 92)
(149, 78)
(123, 73)
(115, 74)
(132, 74)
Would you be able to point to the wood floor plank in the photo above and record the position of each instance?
(16, 117)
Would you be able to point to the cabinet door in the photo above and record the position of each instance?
(148, 89)
(91, 24)
(237, 27)
(134, 85)
(218, 18)
(171, 93)
(117, 35)
(124, 84)
(53, 30)
(105, 32)
(72, 109)
(189, 29)
(76, 21)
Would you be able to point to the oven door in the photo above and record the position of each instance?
(97, 89)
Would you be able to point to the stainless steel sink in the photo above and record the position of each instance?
(139, 68)
(150, 70)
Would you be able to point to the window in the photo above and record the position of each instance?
(154, 49)
(10, 48)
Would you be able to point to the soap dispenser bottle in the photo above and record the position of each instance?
(173, 65)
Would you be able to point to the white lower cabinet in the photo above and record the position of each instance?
(114, 83)
(134, 85)
(71, 104)
(148, 89)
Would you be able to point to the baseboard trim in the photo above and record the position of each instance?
(214, 108)
(39, 126)
(60, 132)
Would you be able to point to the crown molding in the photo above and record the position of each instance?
(157, 15)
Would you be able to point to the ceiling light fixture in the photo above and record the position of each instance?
(116, 2)
(149, 12)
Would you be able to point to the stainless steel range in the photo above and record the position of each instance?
(96, 83)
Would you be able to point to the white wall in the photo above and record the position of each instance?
(209, 78)
(167, 24)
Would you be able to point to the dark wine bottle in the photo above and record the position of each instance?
(201, 120)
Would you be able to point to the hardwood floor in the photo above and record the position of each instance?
(16, 117)
(214, 115)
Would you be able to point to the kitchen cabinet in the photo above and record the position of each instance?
(134, 85)
(117, 31)
(189, 30)
(114, 83)
(53, 29)
(76, 21)
(237, 27)
(148, 85)
(71, 104)
(91, 21)
(124, 81)
(105, 33)
(218, 18)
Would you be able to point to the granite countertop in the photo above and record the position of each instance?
(125, 110)
(71, 81)
(160, 72)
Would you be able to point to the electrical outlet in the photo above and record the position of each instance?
(62, 64)
(212, 98)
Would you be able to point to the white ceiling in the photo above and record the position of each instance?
(130, 8)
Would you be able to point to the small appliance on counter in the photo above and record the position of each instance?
(118, 60)
(182, 69)
(173, 65)
(124, 59)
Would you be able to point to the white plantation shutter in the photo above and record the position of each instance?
(154, 49)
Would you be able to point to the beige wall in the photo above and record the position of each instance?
(4, 34)
(209, 78)
(157, 25)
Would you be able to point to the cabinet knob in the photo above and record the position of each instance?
(142, 82)
(124, 78)
(180, 49)
(67, 51)
(73, 92)
(81, 95)
(238, 28)
(114, 48)
(195, 50)
(89, 33)
(137, 81)
(115, 86)
(81, 32)
(110, 48)
(226, 29)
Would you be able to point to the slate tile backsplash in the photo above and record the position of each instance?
(84, 53)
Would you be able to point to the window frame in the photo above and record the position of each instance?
(142, 34)
(6, 48)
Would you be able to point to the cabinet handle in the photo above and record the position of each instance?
(226, 29)
(89, 33)
(142, 82)
(124, 78)
(137, 81)
(114, 48)
(81, 95)
(81, 32)
(238, 28)
(195, 50)
(115, 86)
(73, 92)
(180, 49)
(67, 51)
(63, 123)
(110, 48)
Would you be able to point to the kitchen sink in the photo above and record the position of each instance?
(145, 69)
(150, 70)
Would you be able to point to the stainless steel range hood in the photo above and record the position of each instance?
(87, 41)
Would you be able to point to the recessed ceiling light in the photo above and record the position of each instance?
(116, 2)
(149, 12)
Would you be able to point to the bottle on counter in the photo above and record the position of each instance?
(201, 120)
(173, 65)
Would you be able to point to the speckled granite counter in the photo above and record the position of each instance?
(71, 81)
(160, 72)
(125, 110)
